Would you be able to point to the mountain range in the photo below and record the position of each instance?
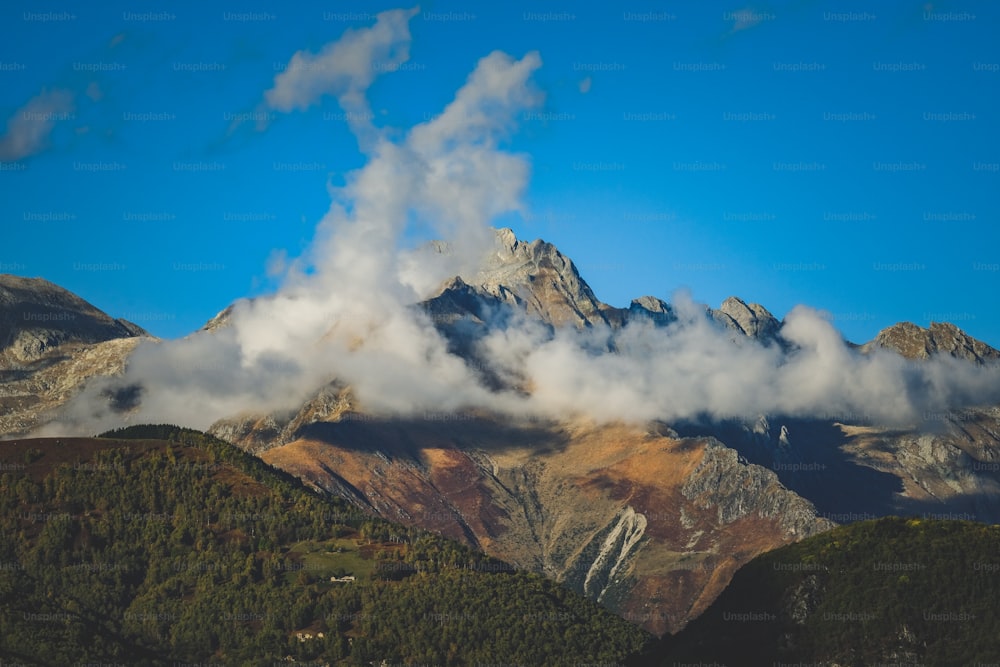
(652, 520)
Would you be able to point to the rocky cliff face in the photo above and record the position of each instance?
(256, 433)
(947, 467)
(652, 309)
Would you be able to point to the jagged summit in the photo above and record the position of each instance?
(751, 320)
(457, 301)
(541, 278)
(651, 308)
(915, 342)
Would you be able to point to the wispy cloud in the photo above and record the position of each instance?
(345, 308)
(744, 19)
(29, 129)
(346, 68)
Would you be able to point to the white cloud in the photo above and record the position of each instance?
(345, 68)
(345, 309)
(693, 369)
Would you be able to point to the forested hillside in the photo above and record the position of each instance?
(891, 591)
(156, 545)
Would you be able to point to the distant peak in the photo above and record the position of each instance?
(652, 304)
(37, 316)
(915, 342)
(753, 320)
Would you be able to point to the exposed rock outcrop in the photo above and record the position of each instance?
(541, 278)
(941, 338)
(649, 525)
(753, 320)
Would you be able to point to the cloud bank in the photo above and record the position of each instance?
(346, 312)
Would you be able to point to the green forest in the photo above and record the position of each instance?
(888, 591)
(157, 545)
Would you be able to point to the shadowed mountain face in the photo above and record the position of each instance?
(891, 591)
(948, 467)
(651, 522)
(51, 342)
(37, 316)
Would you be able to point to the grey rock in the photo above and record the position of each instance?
(736, 489)
(542, 279)
(753, 320)
(941, 338)
(652, 309)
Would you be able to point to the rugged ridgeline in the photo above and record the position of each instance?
(163, 546)
(892, 591)
(652, 521)
(666, 519)
(946, 467)
(538, 280)
(51, 341)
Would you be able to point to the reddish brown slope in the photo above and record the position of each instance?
(652, 526)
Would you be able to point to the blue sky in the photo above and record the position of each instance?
(841, 155)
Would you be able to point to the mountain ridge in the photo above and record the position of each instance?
(674, 512)
(37, 316)
(51, 342)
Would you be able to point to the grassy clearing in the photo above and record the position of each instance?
(336, 557)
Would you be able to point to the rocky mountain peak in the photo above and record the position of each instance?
(507, 240)
(915, 342)
(221, 320)
(651, 308)
(751, 320)
(51, 343)
(541, 278)
(456, 300)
